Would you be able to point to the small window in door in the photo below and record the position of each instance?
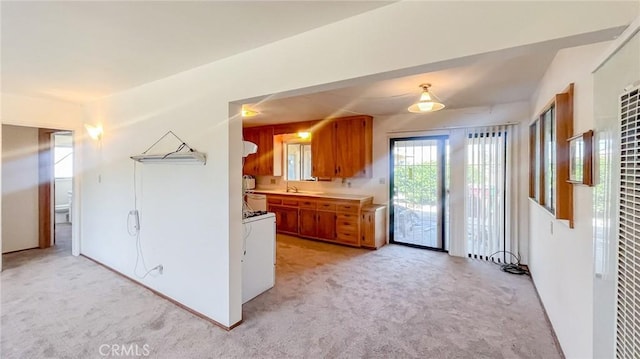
(298, 157)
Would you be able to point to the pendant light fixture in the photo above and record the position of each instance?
(428, 102)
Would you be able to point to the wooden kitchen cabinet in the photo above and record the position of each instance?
(326, 225)
(354, 146)
(343, 147)
(323, 155)
(286, 219)
(308, 222)
(327, 219)
(261, 162)
(374, 226)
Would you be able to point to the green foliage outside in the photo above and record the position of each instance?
(417, 184)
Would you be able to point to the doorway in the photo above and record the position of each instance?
(418, 185)
(62, 188)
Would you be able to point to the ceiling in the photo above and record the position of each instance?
(78, 51)
(484, 82)
(81, 51)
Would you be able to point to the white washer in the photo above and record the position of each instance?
(259, 260)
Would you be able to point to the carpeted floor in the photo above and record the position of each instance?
(329, 301)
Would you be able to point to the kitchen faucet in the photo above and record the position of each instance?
(293, 189)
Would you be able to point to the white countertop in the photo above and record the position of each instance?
(313, 194)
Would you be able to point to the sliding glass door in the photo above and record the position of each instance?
(418, 189)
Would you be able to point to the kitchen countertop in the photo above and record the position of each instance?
(313, 194)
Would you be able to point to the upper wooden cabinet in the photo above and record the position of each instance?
(343, 147)
(340, 148)
(260, 163)
(323, 155)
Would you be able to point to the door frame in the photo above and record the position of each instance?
(442, 190)
(46, 178)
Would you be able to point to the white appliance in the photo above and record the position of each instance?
(257, 202)
(259, 261)
(248, 182)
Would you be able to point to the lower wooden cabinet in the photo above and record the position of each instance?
(308, 225)
(341, 221)
(286, 219)
(374, 226)
(326, 225)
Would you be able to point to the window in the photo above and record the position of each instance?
(298, 157)
(534, 161)
(549, 154)
(549, 160)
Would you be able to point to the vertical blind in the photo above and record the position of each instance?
(628, 308)
(486, 183)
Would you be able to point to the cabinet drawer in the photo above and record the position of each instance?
(347, 207)
(347, 217)
(347, 227)
(308, 204)
(326, 206)
(347, 237)
(290, 202)
(274, 200)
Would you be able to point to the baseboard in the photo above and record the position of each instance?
(546, 317)
(21, 250)
(178, 304)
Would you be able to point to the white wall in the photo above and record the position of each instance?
(45, 113)
(191, 220)
(618, 72)
(560, 258)
(19, 188)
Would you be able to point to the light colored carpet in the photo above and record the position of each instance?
(329, 301)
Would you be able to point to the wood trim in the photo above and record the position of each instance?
(45, 177)
(541, 173)
(564, 130)
(587, 162)
(182, 306)
(532, 160)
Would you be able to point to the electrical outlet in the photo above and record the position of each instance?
(381, 180)
(272, 181)
(160, 269)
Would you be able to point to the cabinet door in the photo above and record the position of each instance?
(326, 225)
(368, 225)
(289, 220)
(265, 151)
(353, 147)
(323, 150)
(308, 225)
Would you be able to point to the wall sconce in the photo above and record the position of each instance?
(304, 135)
(95, 132)
(248, 112)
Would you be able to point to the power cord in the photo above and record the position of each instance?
(511, 268)
(134, 230)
